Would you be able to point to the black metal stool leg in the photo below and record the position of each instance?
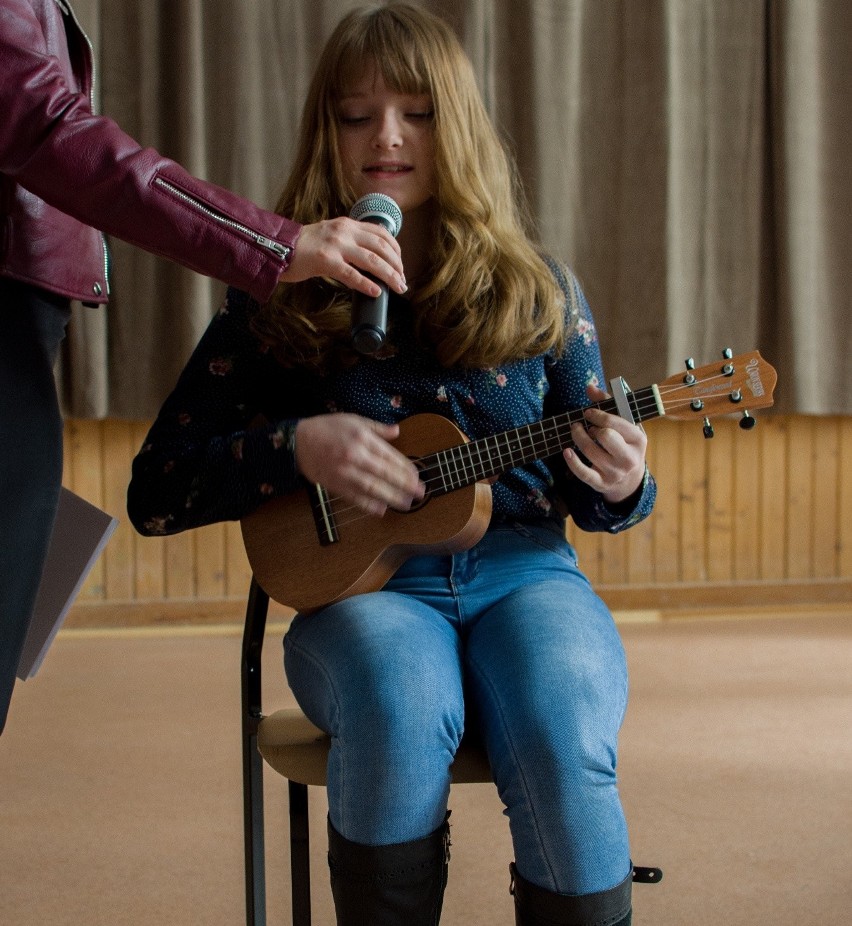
(300, 867)
(254, 833)
(255, 626)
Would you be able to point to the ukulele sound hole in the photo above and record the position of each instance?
(428, 475)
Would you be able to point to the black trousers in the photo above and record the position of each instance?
(32, 326)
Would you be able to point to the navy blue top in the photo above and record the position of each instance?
(206, 460)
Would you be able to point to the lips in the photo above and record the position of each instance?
(388, 169)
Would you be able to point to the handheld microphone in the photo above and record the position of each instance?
(370, 314)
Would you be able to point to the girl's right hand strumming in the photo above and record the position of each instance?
(351, 456)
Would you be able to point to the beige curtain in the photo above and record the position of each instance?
(689, 158)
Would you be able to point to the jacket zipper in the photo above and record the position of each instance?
(261, 240)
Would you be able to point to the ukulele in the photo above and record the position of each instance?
(308, 549)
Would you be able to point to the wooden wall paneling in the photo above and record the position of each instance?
(844, 505)
(592, 551)
(639, 540)
(614, 558)
(664, 519)
(771, 505)
(720, 502)
(587, 548)
(747, 461)
(799, 510)
(119, 448)
(640, 552)
(772, 521)
(150, 578)
(826, 527)
(84, 450)
(180, 564)
(211, 566)
(694, 461)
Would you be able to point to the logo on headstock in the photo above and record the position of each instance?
(753, 377)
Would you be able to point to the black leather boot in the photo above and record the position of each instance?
(398, 885)
(535, 906)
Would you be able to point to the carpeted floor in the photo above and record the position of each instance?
(120, 783)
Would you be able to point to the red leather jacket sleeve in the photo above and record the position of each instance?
(55, 147)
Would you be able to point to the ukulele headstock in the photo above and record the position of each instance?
(736, 386)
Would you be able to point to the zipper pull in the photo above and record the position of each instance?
(280, 249)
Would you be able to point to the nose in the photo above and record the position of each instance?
(389, 131)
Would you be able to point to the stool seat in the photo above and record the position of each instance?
(298, 750)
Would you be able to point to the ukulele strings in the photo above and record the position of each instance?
(552, 433)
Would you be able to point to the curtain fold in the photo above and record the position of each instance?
(688, 158)
(811, 46)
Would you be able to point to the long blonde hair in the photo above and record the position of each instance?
(490, 298)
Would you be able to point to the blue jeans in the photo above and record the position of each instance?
(506, 641)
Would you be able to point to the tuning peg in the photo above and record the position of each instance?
(708, 429)
(747, 422)
(689, 363)
(689, 379)
(727, 353)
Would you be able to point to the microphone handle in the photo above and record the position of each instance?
(369, 319)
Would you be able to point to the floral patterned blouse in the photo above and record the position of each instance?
(206, 459)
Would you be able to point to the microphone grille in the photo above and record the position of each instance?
(377, 207)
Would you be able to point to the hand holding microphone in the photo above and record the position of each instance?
(360, 255)
(370, 314)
